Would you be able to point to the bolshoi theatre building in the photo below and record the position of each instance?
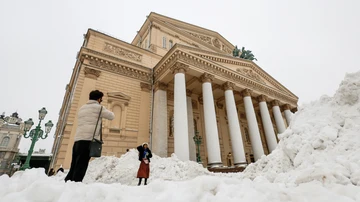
(175, 81)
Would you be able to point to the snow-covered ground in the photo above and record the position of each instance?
(317, 159)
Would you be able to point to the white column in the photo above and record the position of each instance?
(288, 114)
(211, 130)
(159, 143)
(181, 137)
(280, 125)
(234, 126)
(253, 126)
(192, 147)
(268, 126)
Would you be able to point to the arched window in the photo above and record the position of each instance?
(5, 141)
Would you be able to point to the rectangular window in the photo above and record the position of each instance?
(164, 42)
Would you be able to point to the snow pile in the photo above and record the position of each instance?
(34, 186)
(322, 142)
(124, 169)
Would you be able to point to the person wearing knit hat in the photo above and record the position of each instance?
(144, 158)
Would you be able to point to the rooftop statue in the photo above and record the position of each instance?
(245, 54)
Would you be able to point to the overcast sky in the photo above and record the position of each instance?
(306, 45)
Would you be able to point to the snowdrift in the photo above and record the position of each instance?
(124, 169)
(322, 142)
(317, 159)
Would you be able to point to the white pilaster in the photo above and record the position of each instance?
(211, 130)
(234, 126)
(280, 125)
(160, 130)
(252, 125)
(268, 126)
(192, 146)
(181, 136)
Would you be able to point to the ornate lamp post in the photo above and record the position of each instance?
(35, 134)
(197, 138)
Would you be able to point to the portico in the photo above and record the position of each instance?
(213, 86)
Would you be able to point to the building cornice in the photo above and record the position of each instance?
(116, 68)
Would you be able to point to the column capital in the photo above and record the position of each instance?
(262, 98)
(286, 107)
(246, 92)
(160, 86)
(145, 87)
(228, 86)
(275, 103)
(91, 73)
(188, 92)
(179, 68)
(295, 109)
(206, 77)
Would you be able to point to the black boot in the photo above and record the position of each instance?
(145, 181)
(140, 181)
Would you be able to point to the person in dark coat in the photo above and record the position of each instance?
(144, 158)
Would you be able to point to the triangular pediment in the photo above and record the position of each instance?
(200, 36)
(238, 66)
(118, 96)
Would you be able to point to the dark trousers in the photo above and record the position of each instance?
(80, 161)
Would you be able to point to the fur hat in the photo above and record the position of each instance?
(145, 143)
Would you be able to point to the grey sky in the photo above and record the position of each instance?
(306, 45)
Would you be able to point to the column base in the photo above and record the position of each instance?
(242, 164)
(214, 165)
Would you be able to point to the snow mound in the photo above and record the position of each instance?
(322, 142)
(110, 169)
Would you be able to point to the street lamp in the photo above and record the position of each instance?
(35, 134)
(197, 138)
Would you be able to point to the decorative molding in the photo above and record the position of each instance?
(239, 63)
(203, 38)
(275, 103)
(216, 43)
(188, 93)
(228, 86)
(110, 48)
(246, 92)
(160, 86)
(179, 67)
(91, 73)
(145, 87)
(117, 59)
(119, 69)
(206, 77)
(250, 73)
(262, 98)
(118, 97)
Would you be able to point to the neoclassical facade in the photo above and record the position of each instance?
(173, 80)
